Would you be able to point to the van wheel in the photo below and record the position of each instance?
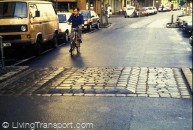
(55, 42)
(38, 46)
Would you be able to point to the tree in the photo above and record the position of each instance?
(182, 2)
(173, 0)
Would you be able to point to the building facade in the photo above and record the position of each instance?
(67, 5)
(116, 5)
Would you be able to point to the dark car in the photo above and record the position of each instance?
(91, 19)
(187, 26)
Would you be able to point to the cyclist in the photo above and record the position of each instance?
(77, 22)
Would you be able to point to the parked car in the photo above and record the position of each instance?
(91, 19)
(28, 23)
(187, 25)
(64, 27)
(181, 19)
(155, 10)
(165, 9)
(144, 11)
(131, 12)
(150, 10)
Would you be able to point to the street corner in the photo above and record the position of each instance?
(11, 71)
(187, 72)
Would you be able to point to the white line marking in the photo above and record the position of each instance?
(24, 60)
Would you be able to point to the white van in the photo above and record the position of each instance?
(24, 22)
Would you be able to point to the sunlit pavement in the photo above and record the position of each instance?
(104, 113)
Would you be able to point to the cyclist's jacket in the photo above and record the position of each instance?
(76, 20)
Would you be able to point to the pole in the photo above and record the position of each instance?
(57, 5)
(172, 18)
(88, 4)
(153, 3)
(101, 19)
(2, 53)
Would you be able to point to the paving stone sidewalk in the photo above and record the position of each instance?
(11, 71)
(99, 81)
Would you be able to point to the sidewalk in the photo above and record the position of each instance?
(99, 81)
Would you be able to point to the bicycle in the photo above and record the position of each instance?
(75, 45)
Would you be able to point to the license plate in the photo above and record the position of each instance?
(6, 44)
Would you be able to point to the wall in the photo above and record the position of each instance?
(81, 4)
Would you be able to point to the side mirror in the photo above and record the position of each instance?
(92, 16)
(37, 14)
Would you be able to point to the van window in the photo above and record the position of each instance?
(13, 9)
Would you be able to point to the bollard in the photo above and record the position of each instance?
(172, 19)
(2, 53)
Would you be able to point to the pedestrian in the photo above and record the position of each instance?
(172, 7)
(77, 22)
(162, 8)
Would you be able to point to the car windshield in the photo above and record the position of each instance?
(130, 8)
(85, 14)
(13, 9)
(62, 18)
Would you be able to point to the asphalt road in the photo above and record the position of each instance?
(110, 113)
(140, 42)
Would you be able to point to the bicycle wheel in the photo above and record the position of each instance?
(78, 47)
(72, 48)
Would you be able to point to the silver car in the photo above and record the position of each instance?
(91, 19)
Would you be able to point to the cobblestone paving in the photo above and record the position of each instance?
(111, 81)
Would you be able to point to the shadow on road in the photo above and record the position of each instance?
(77, 60)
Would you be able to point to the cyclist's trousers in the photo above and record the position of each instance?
(72, 34)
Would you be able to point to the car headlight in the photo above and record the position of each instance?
(23, 28)
(85, 22)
